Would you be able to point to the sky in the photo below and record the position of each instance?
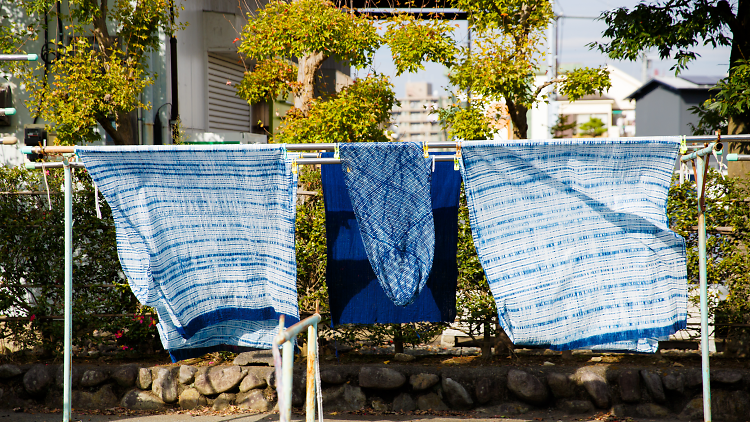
(573, 34)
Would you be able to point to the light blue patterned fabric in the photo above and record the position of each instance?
(205, 234)
(389, 187)
(574, 239)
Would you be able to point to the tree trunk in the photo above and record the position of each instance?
(123, 135)
(740, 50)
(398, 339)
(308, 66)
(518, 117)
(487, 341)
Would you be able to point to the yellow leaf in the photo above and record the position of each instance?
(387, 362)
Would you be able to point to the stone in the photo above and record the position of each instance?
(36, 380)
(725, 377)
(9, 370)
(345, 398)
(674, 382)
(693, 378)
(505, 409)
(93, 377)
(253, 400)
(693, 410)
(105, 398)
(403, 357)
(331, 376)
(271, 379)
(623, 410)
(144, 379)
(561, 385)
(596, 386)
(527, 387)
(652, 411)
(258, 357)
(456, 394)
(191, 398)
(630, 386)
(164, 385)
(654, 385)
(141, 400)
(218, 379)
(486, 390)
(187, 374)
(380, 378)
(404, 403)
(125, 375)
(430, 401)
(379, 405)
(575, 407)
(422, 382)
(223, 401)
(251, 382)
(75, 376)
(299, 391)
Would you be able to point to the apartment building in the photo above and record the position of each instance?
(417, 119)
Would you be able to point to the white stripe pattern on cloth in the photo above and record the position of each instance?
(574, 239)
(205, 234)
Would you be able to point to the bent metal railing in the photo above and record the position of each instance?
(285, 366)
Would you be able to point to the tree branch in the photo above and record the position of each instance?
(546, 84)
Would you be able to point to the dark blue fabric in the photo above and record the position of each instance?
(355, 295)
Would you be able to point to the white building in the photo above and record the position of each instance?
(416, 119)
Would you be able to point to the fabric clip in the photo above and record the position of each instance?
(336, 152)
(456, 165)
(294, 166)
(426, 153)
(283, 146)
(683, 145)
(49, 199)
(433, 164)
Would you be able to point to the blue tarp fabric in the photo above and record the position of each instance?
(355, 295)
(389, 188)
(205, 234)
(574, 239)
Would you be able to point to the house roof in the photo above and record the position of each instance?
(587, 98)
(679, 83)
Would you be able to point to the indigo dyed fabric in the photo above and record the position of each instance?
(355, 295)
(389, 188)
(574, 239)
(205, 234)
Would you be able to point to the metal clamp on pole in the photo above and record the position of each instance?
(738, 157)
(699, 159)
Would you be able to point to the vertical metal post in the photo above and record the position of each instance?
(67, 359)
(288, 367)
(312, 342)
(700, 185)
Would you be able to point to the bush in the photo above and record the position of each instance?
(32, 260)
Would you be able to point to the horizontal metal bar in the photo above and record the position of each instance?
(10, 140)
(8, 111)
(295, 329)
(738, 157)
(710, 138)
(312, 161)
(702, 152)
(31, 192)
(53, 165)
(60, 317)
(18, 57)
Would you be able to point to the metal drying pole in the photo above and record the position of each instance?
(699, 159)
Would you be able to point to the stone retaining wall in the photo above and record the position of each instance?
(673, 392)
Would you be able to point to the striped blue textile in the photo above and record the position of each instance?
(389, 186)
(205, 234)
(574, 240)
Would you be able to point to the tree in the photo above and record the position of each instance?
(593, 128)
(98, 75)
(562, 126)
(674, 28)
(507, 54)
(311, 31)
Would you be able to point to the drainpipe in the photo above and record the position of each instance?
(173, 64)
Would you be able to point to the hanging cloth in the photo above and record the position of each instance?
(389, 187)
(205, 235)
(355, 295)
(574, 240)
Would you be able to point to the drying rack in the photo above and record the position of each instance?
(699, 156)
